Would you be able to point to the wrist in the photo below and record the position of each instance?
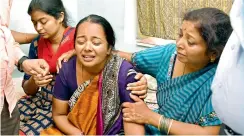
(32, 81)
(153, 118)
(20, 63)
(73, 52)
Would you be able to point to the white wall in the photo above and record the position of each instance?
(122, 16)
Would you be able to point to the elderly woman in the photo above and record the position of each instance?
(184, 73)
(91, 86)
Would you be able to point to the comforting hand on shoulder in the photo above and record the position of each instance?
(64, 57)
(139, 88)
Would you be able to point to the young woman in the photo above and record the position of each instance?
(55, 38)
(91, 86)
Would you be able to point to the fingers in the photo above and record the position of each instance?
(148, 40)
(57, 68)
(37, 70)
(32, 72)
(138, 76)
(127, 115)
(126, 110)
(64, 57)
(126, 105)
(135, 98)
(39, 66)
(43, 81)
(44, 66)
(140, 92)
(127, 119)
(135, 84)
(142, 81)
(143, 96)
(138, 89)
(60, 59)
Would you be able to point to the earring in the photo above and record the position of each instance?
(212, 60)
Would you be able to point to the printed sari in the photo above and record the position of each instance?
(95, 106)
(36, 111)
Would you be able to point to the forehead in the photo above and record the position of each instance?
(38, 14)
(191, 28)
(90, 28)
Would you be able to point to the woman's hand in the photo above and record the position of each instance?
(149, 40)
(42, 81)
(137, 112)
(139, 88)
(64, 57)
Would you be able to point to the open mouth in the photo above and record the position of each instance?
(88, 58)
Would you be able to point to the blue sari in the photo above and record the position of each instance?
(186, 98)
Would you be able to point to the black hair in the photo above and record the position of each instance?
(108, 30)
(51, 7)
(215, 27)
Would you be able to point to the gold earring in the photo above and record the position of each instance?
(212, 60)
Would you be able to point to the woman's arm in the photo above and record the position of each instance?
(32, 83)
(181, 128)
(125, 55)
(60, 112)
(29, 86)
(138, 112)
(23, 38)
(133, 128)
(149, 61)
(130, 128)
(185, 128)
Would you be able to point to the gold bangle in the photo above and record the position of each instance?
(164, 124)
(171, 122)
(159, 122)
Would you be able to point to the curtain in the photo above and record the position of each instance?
(162, 18)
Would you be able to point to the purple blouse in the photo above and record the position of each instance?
(66, 85)
(66, 82)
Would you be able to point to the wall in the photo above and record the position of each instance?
(122, 16)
